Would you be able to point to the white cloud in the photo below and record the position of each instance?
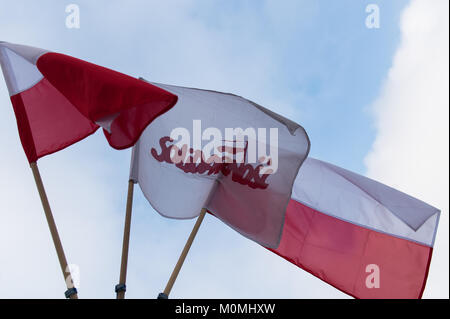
(411, 150)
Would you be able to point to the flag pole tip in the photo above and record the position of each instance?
(71, 291)
(163, 296)
(120, 287)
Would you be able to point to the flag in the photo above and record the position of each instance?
(59, 100)
(362, 237)
(221, 152)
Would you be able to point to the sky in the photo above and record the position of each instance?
(373, 100)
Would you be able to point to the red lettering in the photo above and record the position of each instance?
(244, 174)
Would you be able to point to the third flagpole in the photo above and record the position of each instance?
(187, 246)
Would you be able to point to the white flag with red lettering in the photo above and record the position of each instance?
(225, 153)
(364, 238)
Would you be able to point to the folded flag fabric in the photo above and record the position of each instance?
(221, 152)
(364, 238)
(59, 100)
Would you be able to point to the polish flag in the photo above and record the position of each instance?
(187, 160)
(362, 237)
(59, 100)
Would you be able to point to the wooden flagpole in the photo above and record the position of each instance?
(121, 287)
(71, 290)
(187, 246)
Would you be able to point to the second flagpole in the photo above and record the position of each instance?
(121, 287)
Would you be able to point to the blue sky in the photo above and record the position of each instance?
(315, 60)
(312, 61)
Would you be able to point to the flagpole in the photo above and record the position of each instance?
(187, 246)
(71, 291)
(121, 287)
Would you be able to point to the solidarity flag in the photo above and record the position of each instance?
(224, 153)
(362, 237)
(59, 100)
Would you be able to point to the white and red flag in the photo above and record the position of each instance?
(221, 152)
(364, 238)
(59, 100)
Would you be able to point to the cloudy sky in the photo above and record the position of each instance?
(374, 101)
